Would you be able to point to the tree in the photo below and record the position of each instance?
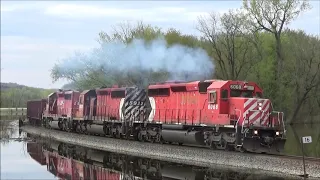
(174, 36)
(126, 32)
(228, 43)
(272, 16)
(302, 52)
(18, 97)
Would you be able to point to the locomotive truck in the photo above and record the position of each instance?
(220, 114)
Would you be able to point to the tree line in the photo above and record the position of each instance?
(250, 43)
(18, 95)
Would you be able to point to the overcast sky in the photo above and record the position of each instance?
(34, 35)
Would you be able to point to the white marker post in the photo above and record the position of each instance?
(305, 140)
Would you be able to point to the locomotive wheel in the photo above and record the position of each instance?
(140, 137)
(159, 138)
(69, 125)
(240, 149)
(114, 135)
(212, 145)
(119, 135)
(222, 145)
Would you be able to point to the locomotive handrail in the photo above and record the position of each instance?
(243, 125)
(238, 119)
(278, 114)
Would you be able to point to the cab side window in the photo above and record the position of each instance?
(81, 100)
(224, 94)
(212, 97)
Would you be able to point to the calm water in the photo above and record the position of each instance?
(37, 158)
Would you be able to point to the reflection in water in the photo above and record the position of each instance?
(294, 134)
(67, 161)
(15, 161)
(7, 129)
(42, 159)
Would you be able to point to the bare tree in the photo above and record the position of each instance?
(229, 44)
(126, 31)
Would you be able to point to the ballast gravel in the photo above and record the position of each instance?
(251, 163)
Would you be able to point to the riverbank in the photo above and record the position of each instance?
(186, 155)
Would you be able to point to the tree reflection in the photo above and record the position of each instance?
(7, 129)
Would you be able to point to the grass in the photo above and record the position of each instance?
(12, 113)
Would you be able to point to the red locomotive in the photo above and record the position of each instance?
(215, 113)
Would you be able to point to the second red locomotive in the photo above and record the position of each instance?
(215, 113)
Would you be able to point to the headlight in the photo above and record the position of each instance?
(260, 104)
(255, 131)
(260, 108)
(277, 133)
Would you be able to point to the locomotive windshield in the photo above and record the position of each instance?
(241, 93)
(245, 93)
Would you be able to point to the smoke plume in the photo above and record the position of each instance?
(140, 58)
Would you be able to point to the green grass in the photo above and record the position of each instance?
(12, 113)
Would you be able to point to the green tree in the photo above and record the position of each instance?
(18, 97)
(302, 54)
(271, 16)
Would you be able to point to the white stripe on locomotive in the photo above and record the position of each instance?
(120, 108)
(153, 108)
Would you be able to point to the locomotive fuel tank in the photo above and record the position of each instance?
(183, 136)
(97, 156)
(181, 173)
(55, 145)
(54, 124)
(95, 129)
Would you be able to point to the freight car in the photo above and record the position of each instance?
(35, 109)
(35, 151)
(228, 115)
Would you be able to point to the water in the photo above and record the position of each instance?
(294, 134)
(15, 161)
(29, 157)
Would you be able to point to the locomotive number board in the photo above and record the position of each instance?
(136, 103)
(235, 86)
(239, 87)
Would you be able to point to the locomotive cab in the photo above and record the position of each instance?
(86, 108)
(67, 103)
(51, 106)
(252, 116)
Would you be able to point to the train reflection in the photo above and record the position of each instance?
(72, 162)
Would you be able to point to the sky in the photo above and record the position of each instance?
(37, 34)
